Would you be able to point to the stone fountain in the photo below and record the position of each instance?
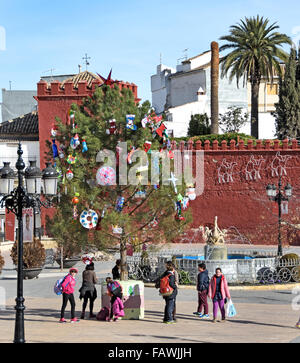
(215, 248)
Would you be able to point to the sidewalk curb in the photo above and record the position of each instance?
(232, 288)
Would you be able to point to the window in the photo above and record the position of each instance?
(272, 90)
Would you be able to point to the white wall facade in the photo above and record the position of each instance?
(185, 91)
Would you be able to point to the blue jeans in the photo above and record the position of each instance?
(169, 308)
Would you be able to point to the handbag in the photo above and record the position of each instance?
(231, 311)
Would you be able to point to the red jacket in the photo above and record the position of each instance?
(224, 287)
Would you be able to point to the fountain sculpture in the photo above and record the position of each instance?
(215, 248)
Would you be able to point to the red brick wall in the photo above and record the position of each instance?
(241, 202)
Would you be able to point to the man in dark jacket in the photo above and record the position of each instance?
(170, 300)
(202, 287)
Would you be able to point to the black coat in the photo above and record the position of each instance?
(203, 281)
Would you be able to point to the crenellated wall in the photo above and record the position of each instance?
(235, 180)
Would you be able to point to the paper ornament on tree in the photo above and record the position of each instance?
(159, 130)
(120, 204)
(74, 142)
(147, 146)
(89, 219)
(84, 146)
(69, 174)
(72, 159)
(111, 127)
(54, 149)
(129, 156)
(145, 121)
(106, 176)
(130, 122)
(191, 193)
(185, 202)
(117, 230)
(54, 131)
(61, 152)
(87, 259)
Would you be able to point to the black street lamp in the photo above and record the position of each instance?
(14, 200)
(279, 197)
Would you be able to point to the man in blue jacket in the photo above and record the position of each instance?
(202, 287)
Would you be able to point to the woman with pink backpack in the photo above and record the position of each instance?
(68, 286)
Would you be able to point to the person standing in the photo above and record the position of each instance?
(202, 288)
(116, 271)
(68, 286)
(170, 300)
(88, 290)
(218, 292)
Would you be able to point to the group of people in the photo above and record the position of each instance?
(88, 293)
(215, 288)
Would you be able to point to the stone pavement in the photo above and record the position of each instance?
(255, 323)
(263, 316)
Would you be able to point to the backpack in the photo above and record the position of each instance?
(103, 314)
(164, 288)
(58, 286)
(114, 287)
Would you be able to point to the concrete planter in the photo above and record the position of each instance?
(133, 294)
(31, 273)
(68, 263)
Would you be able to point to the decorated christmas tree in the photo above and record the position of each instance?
(107, 155)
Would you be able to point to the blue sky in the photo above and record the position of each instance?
(125, 35)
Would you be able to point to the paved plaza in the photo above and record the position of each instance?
(264, 315)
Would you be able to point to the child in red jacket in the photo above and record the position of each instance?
(68, 286)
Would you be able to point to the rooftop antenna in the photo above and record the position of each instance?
(10, 85)
(86, 61)
(185, 53)
(51, 73)
(160, 58)
(185, 57)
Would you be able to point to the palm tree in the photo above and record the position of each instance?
(256, 54)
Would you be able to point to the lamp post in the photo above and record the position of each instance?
(279, 197)
(14, 200)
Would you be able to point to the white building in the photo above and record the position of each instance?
(185, 91)
(25, 130)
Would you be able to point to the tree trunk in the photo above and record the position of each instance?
(214, 95)
(254, 107)
(123, 257)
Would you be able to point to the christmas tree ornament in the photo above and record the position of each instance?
(61, 153)
(88, 219)
(75, 199)
(178, 215)
(74, 142)
(173, 181)
(130, 122)
(117, 230)
(145, 121)
(141, 194)
(72, 159)
(84, 146)
(185, 202)
(111, 127)
(106, 176)
(191, 193)
(71, 118)
(54, 131)
(119, 204)
(159, 130)
(54, 149)
(69, 174)
(147, 146)
(129, 156)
